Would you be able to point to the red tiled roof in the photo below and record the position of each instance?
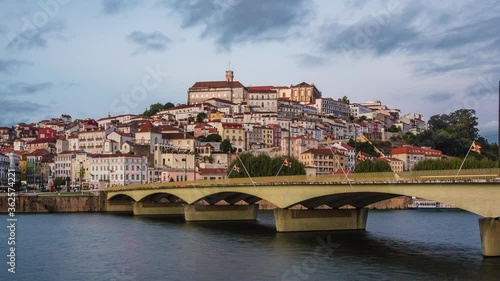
(261, 89)
(217, 84)
(148, 127)
(46, 140)
(417, 150)
(176, 136)
(211, 170)
(232, 125)
(319, 151)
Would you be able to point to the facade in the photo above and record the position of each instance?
(297, 145)
(411, 155)
(235, 133)
(331, 107)
(117, 169)
(47, 144)
(263, 98)
(356, 110)
(229, 90)
(4, 169)
(92, 141)
(325, 161)
(304, 93)
(397, 166)
(62, 164)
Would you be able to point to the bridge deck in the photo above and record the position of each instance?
(447, 176)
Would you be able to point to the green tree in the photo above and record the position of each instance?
(345, 99)
(225, 146)
(168, 105)
(213, 138)
(369, 166)
(394, 129)
(153, 109)
(264, 166)
(200, 117)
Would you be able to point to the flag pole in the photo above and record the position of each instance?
(465, 159)
(283, 164)
(245, 169)
(342, 168)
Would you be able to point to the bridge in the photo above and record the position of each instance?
(328, 202)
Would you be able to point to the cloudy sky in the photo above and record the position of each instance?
(91, 58)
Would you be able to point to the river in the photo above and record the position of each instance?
(398, 245)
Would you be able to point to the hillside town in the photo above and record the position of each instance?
(182, 143)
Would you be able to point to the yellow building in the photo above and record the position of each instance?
(326, 161)
(235, 133)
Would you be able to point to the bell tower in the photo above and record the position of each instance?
(229, 76)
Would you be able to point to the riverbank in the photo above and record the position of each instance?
(53, 203)
(92, 202)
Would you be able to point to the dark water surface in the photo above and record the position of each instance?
(398, 245)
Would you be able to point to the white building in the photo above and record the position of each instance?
(356, 110)
(331, 107)
(117, 170)
(263, 98)
(4, 169)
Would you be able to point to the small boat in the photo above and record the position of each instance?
(429, 205)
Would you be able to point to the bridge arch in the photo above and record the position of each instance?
(160, 196)
(121, 197)
(231, 197)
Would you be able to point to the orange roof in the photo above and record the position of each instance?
(417, 150)
(217, 84)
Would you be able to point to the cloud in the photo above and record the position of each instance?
(35, 37)
(13, 111)
(113, 7)
(464, 40)
(11, 66)
(22, 88)
(310, 60)
(154, 41)
(236, 21)
(438, 97)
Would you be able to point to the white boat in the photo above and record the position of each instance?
(428, 205)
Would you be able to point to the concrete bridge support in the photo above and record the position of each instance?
(320, 220)
(489, 228)
(220, 212)
(119, 207)
(158, 209)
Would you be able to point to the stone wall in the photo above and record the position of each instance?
(54, 204)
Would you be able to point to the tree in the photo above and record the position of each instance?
(213, 138)
(153, 109)
(225, 146)
(200, 117)
(452, 133)
(394, 129)
(369, 166)
(345, 99)
(168, 105)
(263, 166)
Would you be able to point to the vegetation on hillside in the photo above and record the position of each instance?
(369, 166)
(264, 166)
(454, 164)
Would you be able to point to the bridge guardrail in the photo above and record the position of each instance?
(353, 178)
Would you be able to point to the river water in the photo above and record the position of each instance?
(398, 245)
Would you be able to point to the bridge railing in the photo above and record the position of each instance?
(353, 178)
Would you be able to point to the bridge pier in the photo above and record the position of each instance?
(220, 212)
(158, 209)
(489, 229)
(320, 220)
(119, 207)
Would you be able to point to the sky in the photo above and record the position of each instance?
(100, 57)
